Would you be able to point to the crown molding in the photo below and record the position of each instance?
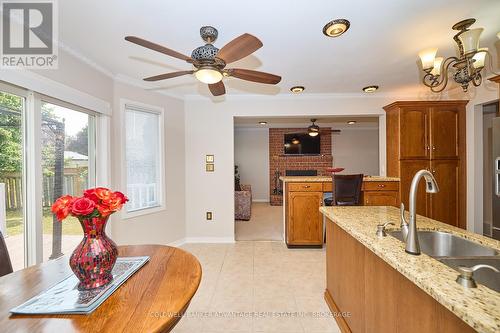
(68, 49)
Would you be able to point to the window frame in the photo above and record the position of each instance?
(160, 112)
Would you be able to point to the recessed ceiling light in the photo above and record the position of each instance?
(263, 122)
(336, 27)
(370, 89)
(297, 89)
(351, 122)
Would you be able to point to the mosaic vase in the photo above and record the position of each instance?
(93, 259)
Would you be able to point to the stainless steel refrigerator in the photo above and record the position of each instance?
(496, 178)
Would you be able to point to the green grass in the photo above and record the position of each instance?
(70, 226)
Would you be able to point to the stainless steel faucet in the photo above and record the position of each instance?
(412, 245)
(404, 223)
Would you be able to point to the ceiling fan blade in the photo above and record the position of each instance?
(254, 76)
(167, 75)
(157, 47)
(217, 89)
(239, 48)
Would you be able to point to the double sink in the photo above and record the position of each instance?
(455, 251)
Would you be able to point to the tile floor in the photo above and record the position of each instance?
(253, 286)
(266, 223)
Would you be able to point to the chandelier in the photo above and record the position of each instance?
(466, 67)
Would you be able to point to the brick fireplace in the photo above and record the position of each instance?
(280, 163)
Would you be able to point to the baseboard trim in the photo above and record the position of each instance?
(260, 200)
(224, 240)
(178, 242)
(344, 328)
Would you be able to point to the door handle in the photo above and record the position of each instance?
(307, 186)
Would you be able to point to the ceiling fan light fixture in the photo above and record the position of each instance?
(370, 89)
(297, 89)
(313, 133)
(336, 27)
(208, 75)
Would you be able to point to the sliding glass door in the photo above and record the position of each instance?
(47, 149)
(12, 222)
(68, 166)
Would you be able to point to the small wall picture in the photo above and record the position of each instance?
(210, 167)
(209, 159)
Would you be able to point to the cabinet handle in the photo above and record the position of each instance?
(433, 171)
(307, 186)
(381, 185)
(433, 147)
(427, 147)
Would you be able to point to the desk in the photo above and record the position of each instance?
(164, 285)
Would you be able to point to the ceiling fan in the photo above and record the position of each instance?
(314, 130)
(210, 62)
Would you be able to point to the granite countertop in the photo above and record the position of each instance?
(319, 179)
(479, 307)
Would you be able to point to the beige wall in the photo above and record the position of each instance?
(251, 155)
(357, 150)
(168, 225)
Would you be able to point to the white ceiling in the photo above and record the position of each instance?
(380, 47)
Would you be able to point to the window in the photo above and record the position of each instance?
(12, 176)
(143, 157)
(68, 166)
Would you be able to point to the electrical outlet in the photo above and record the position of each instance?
(209, 216)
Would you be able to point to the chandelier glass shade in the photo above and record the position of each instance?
(465, 68)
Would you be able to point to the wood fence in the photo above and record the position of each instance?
(74, 184)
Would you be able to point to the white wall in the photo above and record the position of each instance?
(357, 150)
(251, 155)
(168, 225)
(209, 130)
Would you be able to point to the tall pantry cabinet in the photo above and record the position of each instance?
(430, 135)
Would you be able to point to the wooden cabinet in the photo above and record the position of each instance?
(305, 222)
(380, 194)
(430, 135)
(444, 138)
(378, 297)
(444, 204)
(414, 133)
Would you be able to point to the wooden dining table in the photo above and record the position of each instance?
(151, 300)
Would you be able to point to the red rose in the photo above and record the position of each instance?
(62, 207)
(83, 206)
(104, 210)
(123, 197)
(90, 193)
(103, 193)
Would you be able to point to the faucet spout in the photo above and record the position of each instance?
(412, 244)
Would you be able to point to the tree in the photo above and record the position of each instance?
(80, 142)
(10, 133)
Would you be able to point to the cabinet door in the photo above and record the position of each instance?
(444, 132)
(306, 222)
(444, 204)
(380, 198)
(413, 133)
(408, 169)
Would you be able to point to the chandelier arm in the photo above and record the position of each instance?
(444, 80)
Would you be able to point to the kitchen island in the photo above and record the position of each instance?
(384, 289)
(303, 195)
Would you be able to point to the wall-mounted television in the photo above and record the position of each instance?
(302, 144)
